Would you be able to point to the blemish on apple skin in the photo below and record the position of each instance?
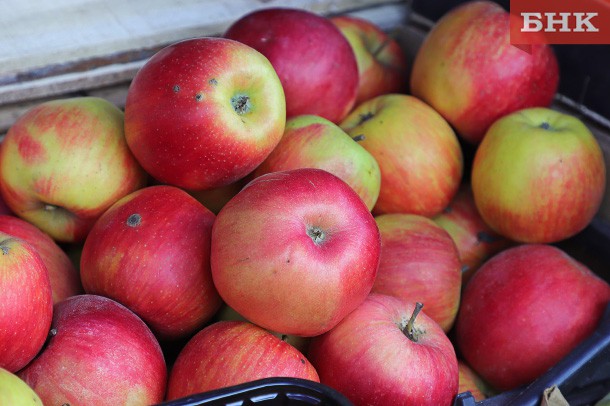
(213, 81)
(176, 88)
(365, 117)
(199, 97)
(134, 220)
(4, 249)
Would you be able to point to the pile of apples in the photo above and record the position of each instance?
(284, 201)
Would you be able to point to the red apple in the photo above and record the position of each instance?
(204, 112)
(538, 176)
(419, 263)
(314, 142)
(295, 251)
(64, 277)
(385, 353)
(469, 72)
(150, 251)
(471, 382)
(524, 310)
(227, 353)
(98, 353)
(64, 162)
(382, 66)
(26, 306)
(314, 61)
(15, 392)
(418, 153)
(474, 239)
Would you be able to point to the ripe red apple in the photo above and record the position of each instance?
(295, 251)
(64, 162)
(418, 153)
(386, 353)
(150, 251)
(26, 306)
(98, 353)
(314, 142)
(469, 72)
(524, 310)
(227, 353)
(471, 382)
(204, 112)
(382, 65)
(15, 392)
(64, 277)
(314, 61)
(475, 240)
(538, 176)
(419, 262)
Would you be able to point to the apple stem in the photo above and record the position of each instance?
(409, 328)
(359, 137)
(381, 47)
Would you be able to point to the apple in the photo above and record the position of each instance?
(215, 199)
(524, 310)
(26, 306)
(227, 353)
(314, 61)
(295, 251)
(538, 176)
(315, 142)
(419, 155)
(204, 112)
(99, 353)
(387, 352)
(154, 258)
(15, 392)
(63, 275)
(382, 65)
(419, 262)
(64, 162)
(471, 382)
(467, 69)
(475, 240)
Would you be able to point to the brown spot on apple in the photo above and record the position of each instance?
(134, 220)
(213, 81)
(199, 97)
(176, 88)
(366, 117)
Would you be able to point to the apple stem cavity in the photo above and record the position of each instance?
(241, 104)
(316, 234)
(359, 137)
(409, 329)
(381, 48)
(50, 207)
(134, 220)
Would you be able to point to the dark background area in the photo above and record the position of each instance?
(584, 69)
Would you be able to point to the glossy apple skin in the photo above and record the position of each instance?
(469, 72)
(26, 306)
(382, 65)
(227, 353)
(315, 142)
(369, 359)
(15, 392)
(64, 162)
(101, 353)
(157, 264)
(475, 240)
(524, 310)
(416, 151)
(538, 185)
(295, 251)
(183, 119)
(419, 263)
(64, 277)
(314, 61)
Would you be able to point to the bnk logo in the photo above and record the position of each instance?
(559, 22)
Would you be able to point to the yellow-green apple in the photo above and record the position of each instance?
(471, 382)
(63, 275)
(295, 251)
(315, 142)
(227, 353)
(98, 353)
(64, 162)
(538, 176)
(387, 352)
(204, 112)
(524, 310)
(467, 69)
(314, 61)
(474, 239)
(382, 65)
(26, 305)
(419, 262)
(15, 392)
(150, 251)
(419, 155)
